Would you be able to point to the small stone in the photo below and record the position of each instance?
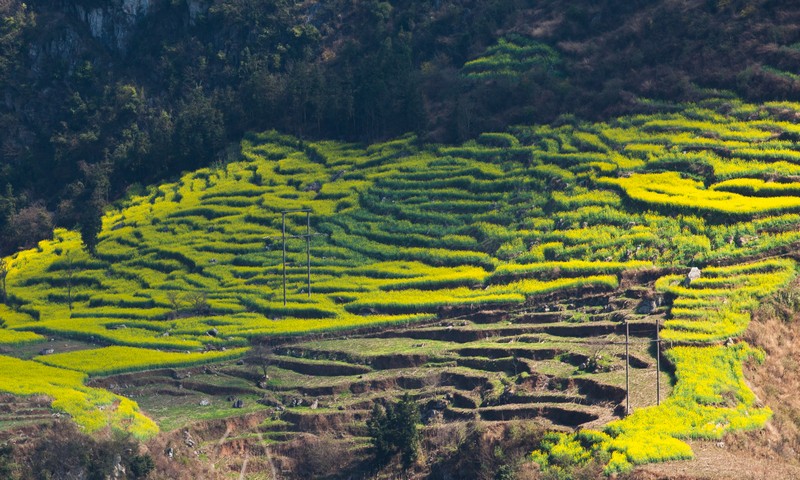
(205, 402)
(693, 275)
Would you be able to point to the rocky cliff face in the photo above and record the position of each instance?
(77, 29)
(113, 23)
(197, 8)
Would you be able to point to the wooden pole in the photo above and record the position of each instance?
(283, 228)
(658, 362)
(308, 250)
(627, 368)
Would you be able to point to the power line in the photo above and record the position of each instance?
(307, 236)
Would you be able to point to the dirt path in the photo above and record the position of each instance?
(717, 462)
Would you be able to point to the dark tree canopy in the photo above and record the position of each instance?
(170, 87)
(393, 430)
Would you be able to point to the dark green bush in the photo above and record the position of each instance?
(393, 430)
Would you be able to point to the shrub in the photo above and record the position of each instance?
(65, 452)
(393, 430)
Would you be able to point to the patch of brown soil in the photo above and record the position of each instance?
(349, 421)
(206, 449)
(718, 461)
(570, 417)
(320, 368)
(388, 362)
(510, 366)
(776, 382)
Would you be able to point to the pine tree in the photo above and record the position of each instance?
(4, 269)
(393, 430)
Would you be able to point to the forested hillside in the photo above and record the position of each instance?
(492, 239)
(98, 96)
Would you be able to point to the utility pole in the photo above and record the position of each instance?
(658, 362)
(307, 236)
(283, 235)
(308, 252)
(627, 368)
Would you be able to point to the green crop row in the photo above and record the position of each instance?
(434, 256)
(115, 359)
(254, 326)
(14, 337)
(531, 287)
(412, 300)
(511, 57)
(94, 330)
(673, 192)
(581, 197)
(291, 309)
(727, 131)
(757, 187)
(567, 268)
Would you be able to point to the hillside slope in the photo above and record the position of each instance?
(414, 233)
(101, 96)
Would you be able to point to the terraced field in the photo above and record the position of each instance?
(558, 361)
(437, 263)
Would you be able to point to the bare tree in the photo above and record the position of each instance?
(175, 300)
(199, 302)
(262, 358)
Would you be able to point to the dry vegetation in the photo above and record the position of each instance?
(776, 381)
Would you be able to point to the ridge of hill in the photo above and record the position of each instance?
(98, 96)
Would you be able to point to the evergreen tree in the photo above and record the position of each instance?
(4, 269)
(93, 201)
(393, 430)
